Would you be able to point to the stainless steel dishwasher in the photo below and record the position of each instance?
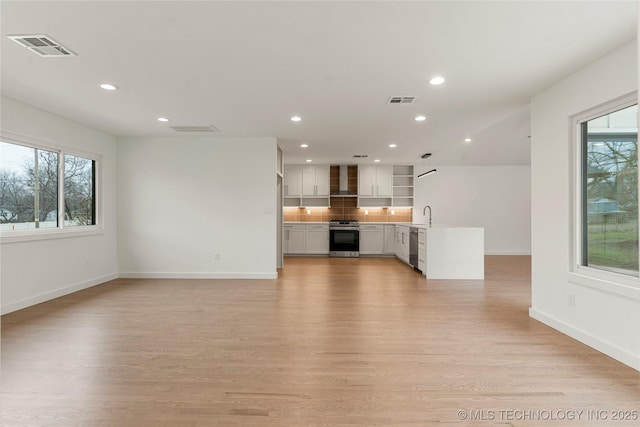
(413, 247)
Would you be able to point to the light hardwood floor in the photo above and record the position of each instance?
(332, 342)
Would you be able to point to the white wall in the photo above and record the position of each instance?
(604, 320)
(497, 198)
(36, 271)
(183, 200)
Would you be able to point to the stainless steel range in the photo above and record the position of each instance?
(344, 238)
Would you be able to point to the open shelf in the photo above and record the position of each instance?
(402, 186)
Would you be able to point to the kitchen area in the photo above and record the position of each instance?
(368, 211)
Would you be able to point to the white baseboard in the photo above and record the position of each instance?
(166, 275)
(28, 302)
(602, 346)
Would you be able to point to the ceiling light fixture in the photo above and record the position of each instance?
(377, 160)
(392, 145)
(108, 86)
(467, 140)
(304, 145)
(420, 118)
(437, 80)
(163, 119)
(427, 173)
(309, 160)
(296, 118)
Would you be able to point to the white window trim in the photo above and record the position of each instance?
(603, 280)
(60, 232)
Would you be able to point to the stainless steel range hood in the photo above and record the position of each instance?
(344, 184)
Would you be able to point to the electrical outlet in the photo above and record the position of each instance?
(216, 257)
(572, 300)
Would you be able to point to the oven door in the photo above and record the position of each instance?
(344, 242)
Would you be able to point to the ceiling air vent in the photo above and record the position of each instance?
(209, 128)
(401, 100)
(43, 45)
(360, 156)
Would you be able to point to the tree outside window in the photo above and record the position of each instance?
(610, 191)
(29, 188)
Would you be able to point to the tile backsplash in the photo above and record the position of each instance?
(345, 208)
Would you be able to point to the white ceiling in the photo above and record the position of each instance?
(247, 67)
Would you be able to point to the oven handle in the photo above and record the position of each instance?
(344, 228)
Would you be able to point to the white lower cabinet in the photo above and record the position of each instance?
(300, 239)
(375, 239)
(402, 242)
(317, 239)
(293, 239)
(389, 239)
(422, 250)
(371, 239)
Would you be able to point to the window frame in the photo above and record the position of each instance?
(61, 231)
(604, 280)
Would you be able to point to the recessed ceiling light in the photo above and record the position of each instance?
(108, 86)
(377, 160)
(296, 118)
(163, 119)
(467, 140)
(420, 118)
(393, 145)
(309, 160)
(437, 80)
(304, 145)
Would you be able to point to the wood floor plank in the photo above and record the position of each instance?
(331, 342)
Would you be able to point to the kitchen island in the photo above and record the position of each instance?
(455, 253)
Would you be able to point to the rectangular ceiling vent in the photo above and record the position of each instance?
(401, 100)
(209, 128)
(360, 156)
(43, 45)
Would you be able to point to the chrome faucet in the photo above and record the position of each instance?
(424, 213)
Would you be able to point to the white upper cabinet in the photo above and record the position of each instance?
(322, 181)
(292, 181)
(366, 181)
(384, 181)
(375, 181)
(315, 181)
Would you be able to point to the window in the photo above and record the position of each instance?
(35, 184)
(79, 191)
(608, 202)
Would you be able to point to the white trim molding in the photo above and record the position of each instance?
(605, 347)
(202, 275)
(28, 302)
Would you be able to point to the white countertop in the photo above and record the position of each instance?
(362, 223)
(304, 222)
(405, 224)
